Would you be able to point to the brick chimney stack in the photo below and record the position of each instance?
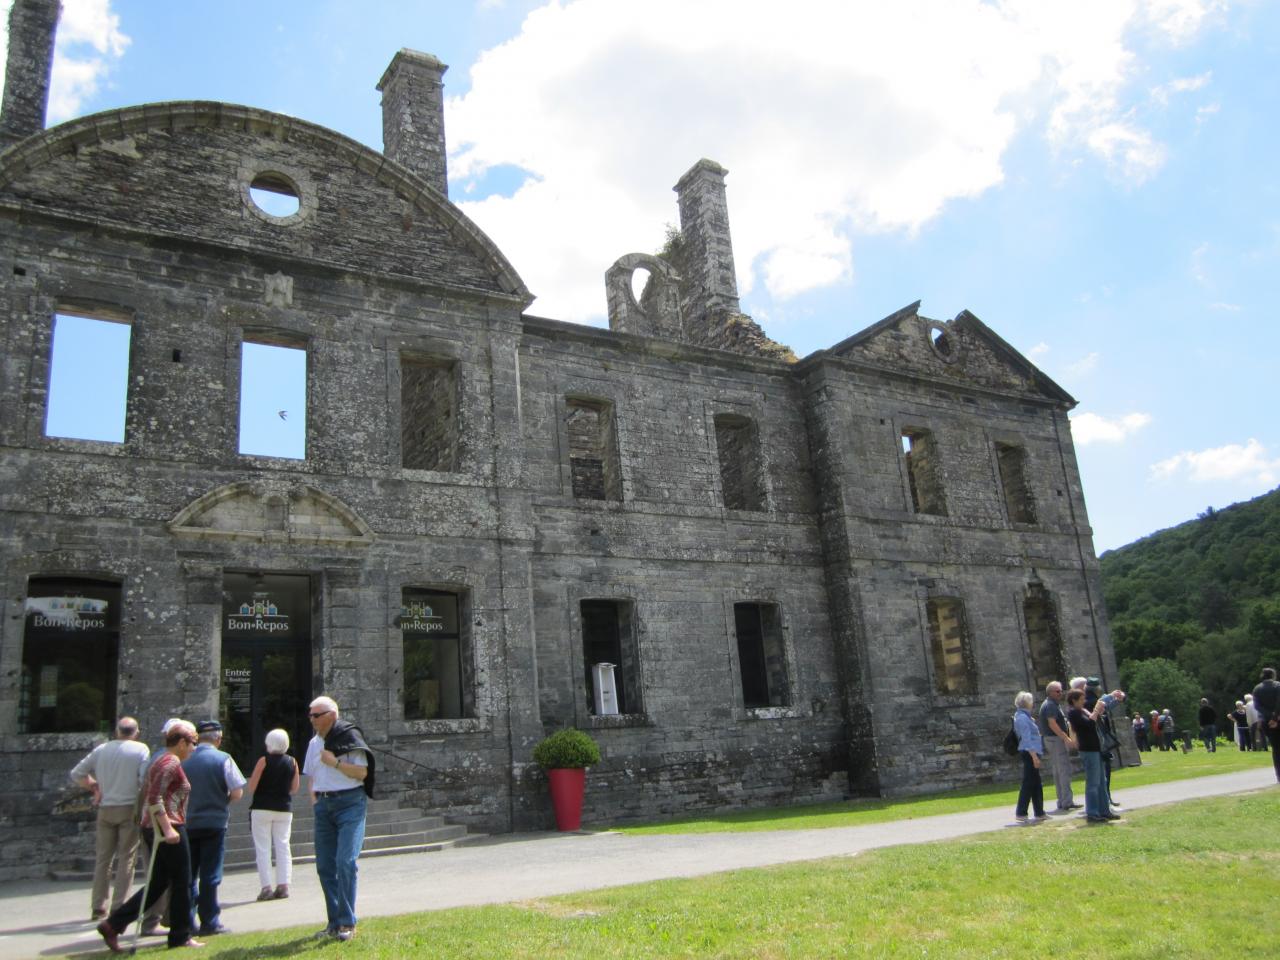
(706, 261)
(33, 24)
(413, 115)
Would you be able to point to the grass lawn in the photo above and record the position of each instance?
(1156, 767)
(1185, 881)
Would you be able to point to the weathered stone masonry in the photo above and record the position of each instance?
(490, 502)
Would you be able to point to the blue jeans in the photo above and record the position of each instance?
(1096, 806)
(207, 849)
(1209, 734)
(339, 837)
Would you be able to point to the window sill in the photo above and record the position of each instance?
(618, 721)
(409, 728)
(771, 713)
(958, 699)
(35, 742)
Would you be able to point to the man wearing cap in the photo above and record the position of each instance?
(114, 772)
(216, 782)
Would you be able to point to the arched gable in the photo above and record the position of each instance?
(182, 170)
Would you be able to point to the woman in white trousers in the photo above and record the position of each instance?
(272, 785)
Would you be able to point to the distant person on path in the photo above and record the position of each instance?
(1153, 731)
(1208, 718)
(1057, 745)
(1140, 733)
(1241, 721)
(1166, 729)
(272, 785)
(1084, 725)
(341, 770)
(1030, 747)
(216, 783)
(114, 772)
(168, 789)
(1266, 699)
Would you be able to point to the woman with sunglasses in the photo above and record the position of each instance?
(167, 790)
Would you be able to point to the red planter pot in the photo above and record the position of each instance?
(567, 788)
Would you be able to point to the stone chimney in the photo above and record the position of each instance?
(413, 115)
(706, 258)
(32, 27)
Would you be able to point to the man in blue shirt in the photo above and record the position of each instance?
(216, 782)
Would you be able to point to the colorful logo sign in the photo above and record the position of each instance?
(260, 615)
(417, 616)
(67, 613)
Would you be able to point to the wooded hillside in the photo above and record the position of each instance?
(1195, 610)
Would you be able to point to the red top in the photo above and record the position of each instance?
(167, 784)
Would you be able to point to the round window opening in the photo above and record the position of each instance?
(275, 195)
(941, 341)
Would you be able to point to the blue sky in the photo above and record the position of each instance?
(1095, 180)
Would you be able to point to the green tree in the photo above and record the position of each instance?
(1159, 683)
(1145, 639)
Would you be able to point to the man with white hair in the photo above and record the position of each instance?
(340, 767)
(114, 772)
(1057, 745)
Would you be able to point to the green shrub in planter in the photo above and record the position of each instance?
(567, 749)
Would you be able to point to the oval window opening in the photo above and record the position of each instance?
(275, 195)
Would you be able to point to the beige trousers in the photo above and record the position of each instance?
(117, 839)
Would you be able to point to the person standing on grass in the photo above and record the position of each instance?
(1057, 745)
(1084, 725)
(1266, 699)
(1166, 729)
(340, 767)
(1255, 728)
(1208, 718)
(1030, 747)
(1241, 721)
(1140, 732)
(114, 772)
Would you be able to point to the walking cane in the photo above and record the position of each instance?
(156, 840)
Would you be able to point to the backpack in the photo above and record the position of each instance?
(1011, 740)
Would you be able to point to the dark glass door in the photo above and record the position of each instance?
(266, 662)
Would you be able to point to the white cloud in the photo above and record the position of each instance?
(1085, 365)
(1226, 307)
(827, 125)
(1163, 93)
(1039, 351)
(89, 42)
(1087, 428)
(1198, 271)
(1233, 462)
(1179, 20)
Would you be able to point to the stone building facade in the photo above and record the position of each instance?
(814, 578)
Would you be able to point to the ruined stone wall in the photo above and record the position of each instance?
(682, 560)
(891, 561)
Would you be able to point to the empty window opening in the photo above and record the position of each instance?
(761, 655)
(1043, 638)
(428, 414)
(275, 194)
(438, 675)
(70, 656)
(1012, 462)
(609, 638)
(940, 341)
(740, 468)
(953, 669)
(924, 475)
(88, 379)
(639, 283)
(273, 400)
(593, 450)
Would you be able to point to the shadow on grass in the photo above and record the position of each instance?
(306, 943)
